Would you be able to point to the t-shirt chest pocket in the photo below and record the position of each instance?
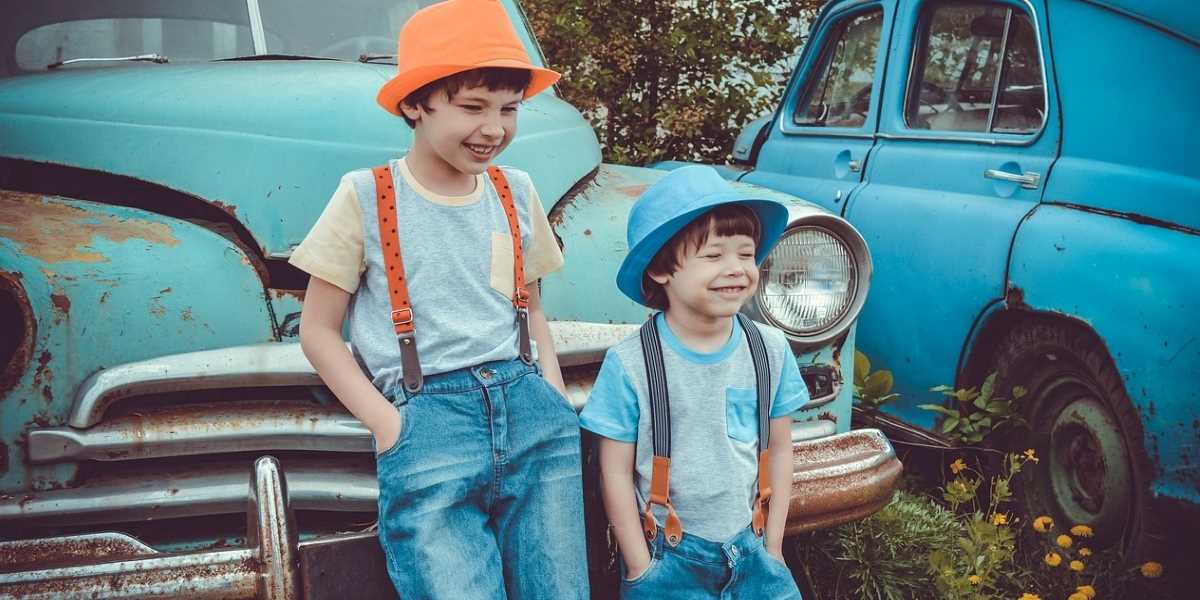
(741, 414)
(502, 264)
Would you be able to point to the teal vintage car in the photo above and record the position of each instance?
(162, 432)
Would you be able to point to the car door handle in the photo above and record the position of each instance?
(855, 166)
(1029, 180)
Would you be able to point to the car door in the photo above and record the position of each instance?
(820, 140)
(968, 131)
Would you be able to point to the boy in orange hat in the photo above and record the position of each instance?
(435, 260)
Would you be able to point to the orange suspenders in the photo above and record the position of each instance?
(402, 316)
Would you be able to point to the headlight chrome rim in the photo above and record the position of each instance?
(860, 264)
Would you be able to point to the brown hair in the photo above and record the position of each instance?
(724, 220)
(493, 78)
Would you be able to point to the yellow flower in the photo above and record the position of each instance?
(1077, 596)
(1053, 559)
(1088, 591)
(975, 579)
(1085, 551)
(1152, 570)
(1063, 541)
(1028, 596)
(1029, 455)
(1076, 565)
(957, 466)
(999, 519)
(1043, 524)
(1081, 531)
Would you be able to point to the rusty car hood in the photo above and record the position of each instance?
(266, 141)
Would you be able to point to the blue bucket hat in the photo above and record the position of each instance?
(673, 202)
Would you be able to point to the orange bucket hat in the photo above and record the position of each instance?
(455, 36)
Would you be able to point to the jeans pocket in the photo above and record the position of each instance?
(650, 568)
(405, 419)
(741, 414)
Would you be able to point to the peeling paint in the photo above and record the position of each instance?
(61, 303)
(53, 231)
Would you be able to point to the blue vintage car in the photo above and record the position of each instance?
(158, 162)
(1025, 174)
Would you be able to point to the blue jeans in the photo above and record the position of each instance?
(481, 496)
(699, 569)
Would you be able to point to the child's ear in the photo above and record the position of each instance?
(410, 111)
(659, 278)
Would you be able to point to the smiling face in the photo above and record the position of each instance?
(459, 135)
(712, 281)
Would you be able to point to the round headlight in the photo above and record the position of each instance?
(809, 281)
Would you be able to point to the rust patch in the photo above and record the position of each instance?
(587, 232)
(828, 416)
(43, 375)
(165, 291)
(186, 315)
(229, 209)
(558, 212)
(632, 191)
(281, 294)
(1015, 297)
(48, 394)
(104, 297)
(61, 303)
(53, 231)
(3, 469)
(156, 307)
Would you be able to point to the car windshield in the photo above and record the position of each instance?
(54, 32)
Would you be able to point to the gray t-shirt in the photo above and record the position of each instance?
(458, 265)
(714, 422)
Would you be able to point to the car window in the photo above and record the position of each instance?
(182, 40)
(977, 69)
(841, 95)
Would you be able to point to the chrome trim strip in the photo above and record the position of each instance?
(257, 34)
(811, 430)
(257, 365)
(582, 342)
(272, 531)
(331, 486)
(278, 364)
(268, 569)
(205, 429)
(215, 575)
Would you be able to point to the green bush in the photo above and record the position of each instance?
(663, 79)
(882, 557)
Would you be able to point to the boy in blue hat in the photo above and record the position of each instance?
(693, 412)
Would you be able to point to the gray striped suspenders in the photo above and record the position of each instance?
(660, 428)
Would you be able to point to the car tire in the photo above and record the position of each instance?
(1092, 464)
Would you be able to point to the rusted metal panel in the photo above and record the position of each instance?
(840, 478)
(266, 569)
(23, 555)
(74, 262)
(344, 566)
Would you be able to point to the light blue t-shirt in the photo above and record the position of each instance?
(714, 422)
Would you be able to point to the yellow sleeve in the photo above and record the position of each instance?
(544, 255)
(333, 249)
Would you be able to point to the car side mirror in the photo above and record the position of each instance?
(751, 138)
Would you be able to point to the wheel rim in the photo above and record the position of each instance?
(1090, 480)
